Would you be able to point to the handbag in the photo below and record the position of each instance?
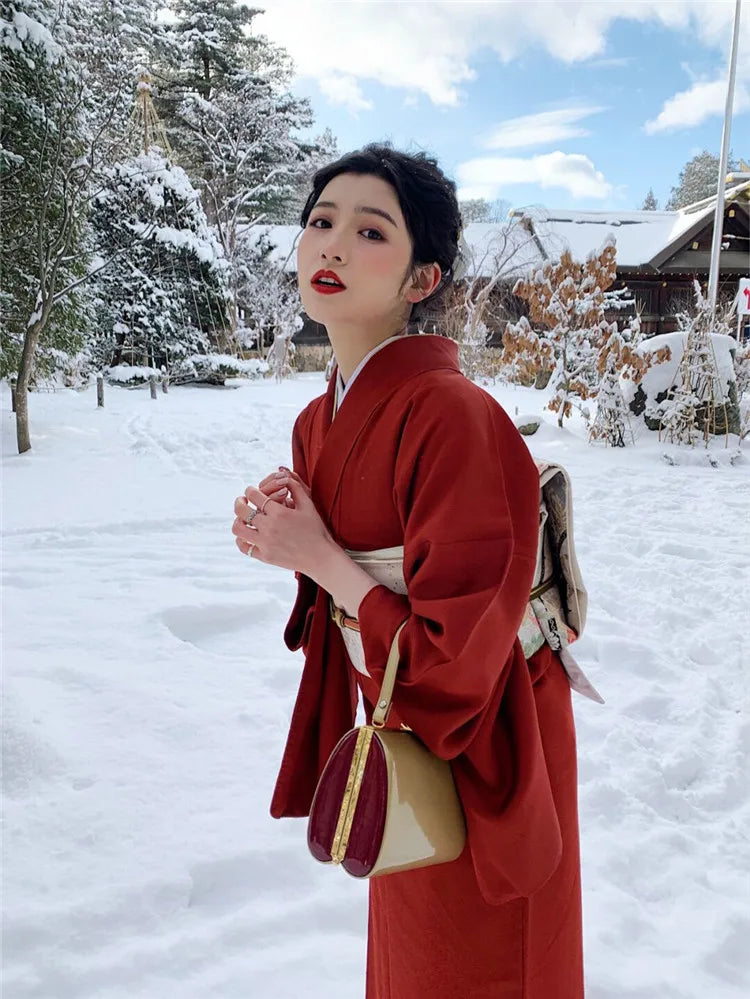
(384, 802)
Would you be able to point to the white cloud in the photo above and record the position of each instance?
(488, 177)
(542, 129)
(693, 106)
(408, 45)
(344, 90)
(428, 48)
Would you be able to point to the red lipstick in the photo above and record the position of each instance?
(327, 287)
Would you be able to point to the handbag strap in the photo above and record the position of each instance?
(383, 707)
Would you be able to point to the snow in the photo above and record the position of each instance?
(148, 692)
(128, 372)
(660, 377)
(252, 367)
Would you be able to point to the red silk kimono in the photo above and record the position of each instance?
(418, 455)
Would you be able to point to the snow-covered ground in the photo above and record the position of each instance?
(147, 692)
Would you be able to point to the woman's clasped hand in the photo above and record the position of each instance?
(289, 531)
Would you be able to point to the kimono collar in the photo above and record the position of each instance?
(385, 372)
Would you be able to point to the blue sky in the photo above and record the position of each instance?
(598, 101)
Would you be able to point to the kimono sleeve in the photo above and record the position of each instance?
(297, 630)
(467, 491)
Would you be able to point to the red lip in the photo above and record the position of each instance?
(327, 289)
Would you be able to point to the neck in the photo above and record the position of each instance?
(350, 346)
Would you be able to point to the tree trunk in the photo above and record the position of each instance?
(119, 346)
(24, 376)
(22, 421)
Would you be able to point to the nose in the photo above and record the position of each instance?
(327, 255)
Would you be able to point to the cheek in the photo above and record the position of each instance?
(387, 263)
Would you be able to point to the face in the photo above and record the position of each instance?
(369, 251)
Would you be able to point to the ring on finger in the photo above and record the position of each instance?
(266, 500)
(250, 518)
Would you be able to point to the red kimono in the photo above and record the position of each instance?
(419, 456)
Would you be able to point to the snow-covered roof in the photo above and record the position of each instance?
(643, 237)
(639, 235)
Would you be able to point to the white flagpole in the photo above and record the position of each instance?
(713, 274)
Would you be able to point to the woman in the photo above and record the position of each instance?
(402, 449)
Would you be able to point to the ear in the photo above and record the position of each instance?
(427, 280)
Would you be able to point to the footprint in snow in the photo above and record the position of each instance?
(223, 628)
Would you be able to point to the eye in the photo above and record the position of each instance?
(321, 219)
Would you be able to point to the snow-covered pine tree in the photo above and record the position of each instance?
(698, 180)
(165, 298)
(231, 118)
(650, 204)
(65, 100)
(284, 206)
(52, 139)
(113, 40)
(39, 93)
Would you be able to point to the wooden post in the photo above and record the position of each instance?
(164, 382)
(152, 382)
(13, 383)
(100, 391)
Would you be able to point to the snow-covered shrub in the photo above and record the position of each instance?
(611, 422)
(213, 369)
(130, 375)
(645, 398)
(571, 302)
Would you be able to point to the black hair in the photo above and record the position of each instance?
(428, 203)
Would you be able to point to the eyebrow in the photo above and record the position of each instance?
(360, 209)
